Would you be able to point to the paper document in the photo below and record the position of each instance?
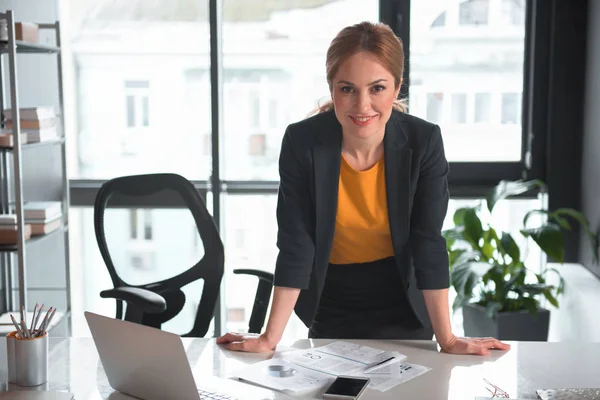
(317, 367)
(279, 374)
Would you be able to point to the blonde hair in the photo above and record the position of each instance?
(375, 38)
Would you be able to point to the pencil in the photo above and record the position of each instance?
(35, 309)
(14, 321)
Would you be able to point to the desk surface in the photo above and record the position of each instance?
(74, 365)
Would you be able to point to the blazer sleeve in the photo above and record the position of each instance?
(296, 246)
(430, 205)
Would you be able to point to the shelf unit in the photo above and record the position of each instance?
(21, 182)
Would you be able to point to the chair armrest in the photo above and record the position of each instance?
(261, 300)
(261, 275)
(142, 299)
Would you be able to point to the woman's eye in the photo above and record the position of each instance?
(347, 89)
(378, 88)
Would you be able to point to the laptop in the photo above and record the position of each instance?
(151, 364)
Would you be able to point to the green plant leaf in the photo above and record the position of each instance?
(473, 228)
(510, 246)
(548, 295)
(506, 189)
(533, 289)
(458, 217)
(465, 277)
(530, 213)
(459, 302)
(531, 304)
(550, 239)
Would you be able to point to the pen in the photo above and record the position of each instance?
(379, 364)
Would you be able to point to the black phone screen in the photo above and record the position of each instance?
(347, 386)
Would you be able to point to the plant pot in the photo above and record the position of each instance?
(517, 325)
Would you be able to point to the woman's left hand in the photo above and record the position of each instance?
(477, 346)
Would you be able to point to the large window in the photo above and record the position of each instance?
(274, 74)
(143, 88)
(475, 60)
(148, 100)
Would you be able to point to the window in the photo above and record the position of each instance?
(137, 103)
(513, 12)
(461, 75)
(140, 224)
(459, 108)
(143, 89)
(435, 105)
(473, 12)
(483, 107)
(511, 108)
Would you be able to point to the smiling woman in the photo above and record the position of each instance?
(363, 193)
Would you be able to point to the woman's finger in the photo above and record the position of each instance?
(229, 337)
(238, 346)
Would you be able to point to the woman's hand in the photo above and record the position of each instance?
(477, 346)
(246, 342)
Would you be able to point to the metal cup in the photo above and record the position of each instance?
(31, 360)
(10, 355)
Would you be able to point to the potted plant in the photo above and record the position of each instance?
(500, 296)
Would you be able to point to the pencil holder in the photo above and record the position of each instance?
(31, 360)
(10, 357)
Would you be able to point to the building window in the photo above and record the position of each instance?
(140, 224)
(483, 107)
(511, 108)
(137, 103)
(459, 108)
(435, 103)
(513, 12)
(473, 12)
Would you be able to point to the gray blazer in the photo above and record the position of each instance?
(417, 197)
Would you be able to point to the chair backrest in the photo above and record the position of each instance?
(210, 268)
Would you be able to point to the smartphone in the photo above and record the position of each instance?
(346, 388)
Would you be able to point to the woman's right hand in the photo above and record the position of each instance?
(248, 343)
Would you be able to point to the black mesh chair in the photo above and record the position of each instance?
(153, 304)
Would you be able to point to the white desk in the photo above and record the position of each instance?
(74, 366)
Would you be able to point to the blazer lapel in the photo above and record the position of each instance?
(327, 160)
(397, 160)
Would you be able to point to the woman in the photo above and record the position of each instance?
(363, 195)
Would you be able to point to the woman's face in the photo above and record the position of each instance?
(363, 94)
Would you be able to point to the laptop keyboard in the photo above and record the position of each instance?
(215, 396)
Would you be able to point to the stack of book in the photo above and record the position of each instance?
(8, 229)
(37, 123)
(43, 216)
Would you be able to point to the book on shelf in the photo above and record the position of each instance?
(33, 123)
(8, 219)
(32, 113)
(42, 210)
(8, 233)
(40, 135)
(7, 140)
(44, 227)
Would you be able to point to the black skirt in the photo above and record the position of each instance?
(366, 301)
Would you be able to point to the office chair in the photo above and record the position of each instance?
(154, 303)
